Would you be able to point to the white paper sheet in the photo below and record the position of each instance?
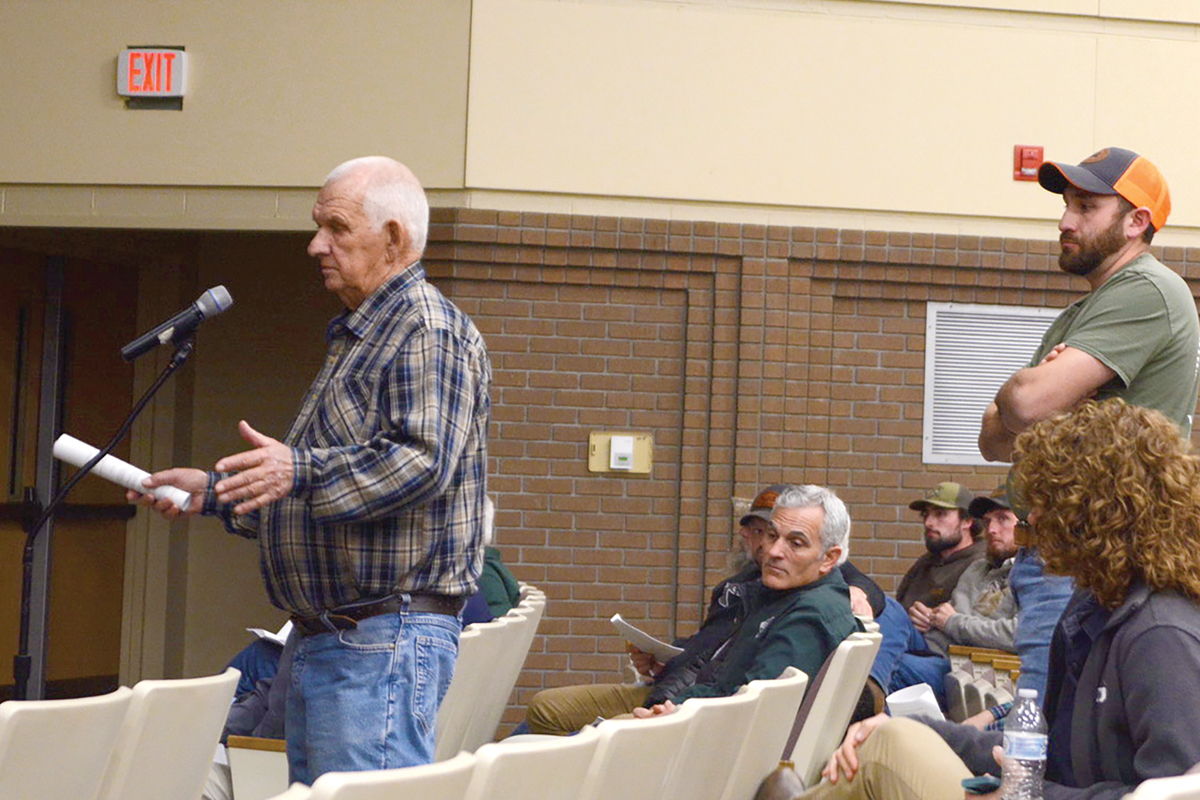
(645, 642)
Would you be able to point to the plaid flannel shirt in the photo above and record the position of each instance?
(390, 456)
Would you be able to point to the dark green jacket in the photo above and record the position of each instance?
(796, 627)
(498, 584)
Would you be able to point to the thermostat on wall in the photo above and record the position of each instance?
(620, 451)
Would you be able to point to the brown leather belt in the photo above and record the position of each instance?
(348, 617)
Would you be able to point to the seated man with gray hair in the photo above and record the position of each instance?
(796, 614)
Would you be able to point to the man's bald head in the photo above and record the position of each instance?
(389, 191)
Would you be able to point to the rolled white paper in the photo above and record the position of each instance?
(69, 449)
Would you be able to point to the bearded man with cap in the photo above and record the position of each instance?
(951, 548)
(905, 658)
(982, 612)
(1135, 335)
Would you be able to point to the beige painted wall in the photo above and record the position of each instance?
(894, 115)
(279, 92)
(839, 106)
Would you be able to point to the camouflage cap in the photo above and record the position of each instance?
(945, 495)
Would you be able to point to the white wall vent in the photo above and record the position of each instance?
(970, 351)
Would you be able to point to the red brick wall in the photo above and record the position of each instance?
(754, 355)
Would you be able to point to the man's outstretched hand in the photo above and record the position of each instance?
(264, 474)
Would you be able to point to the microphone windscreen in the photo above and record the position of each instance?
(214, 301)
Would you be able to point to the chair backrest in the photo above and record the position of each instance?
(956, 681)
(58, 748)
(528, 590)
(830, 703)
(1181, 787)
(706, 758)
(479, 649)
(523, 622)
(759, 754)
(540, 768)
(258, 768)
(445, 780)
(490, 703)
(636, 757)
(166, 742)
(297, 791)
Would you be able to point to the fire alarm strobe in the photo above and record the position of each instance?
(1026, 160)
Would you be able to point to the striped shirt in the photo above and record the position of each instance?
(390, 456)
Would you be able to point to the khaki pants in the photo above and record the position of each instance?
(902, 760)
(566, 709)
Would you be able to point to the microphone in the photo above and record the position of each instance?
(180, 326)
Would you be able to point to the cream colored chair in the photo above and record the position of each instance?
(479, 651)
(166, 741)
(502, 678)
(258, 767)
(446, 780)
(974, 694)
(1182, 787)
(830, 703)
(636, 757)
(58, 748)
(297, 791)
(528, 590)
(776, 713)
(995, 696)
(706, 758)
(956, 683)
(542, 768)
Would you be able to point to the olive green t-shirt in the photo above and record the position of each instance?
(1142, 324)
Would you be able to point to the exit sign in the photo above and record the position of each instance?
(152, 72)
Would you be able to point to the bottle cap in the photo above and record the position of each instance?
(1030, 693)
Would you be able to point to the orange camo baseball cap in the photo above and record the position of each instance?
(1114, 170)
(764, 503)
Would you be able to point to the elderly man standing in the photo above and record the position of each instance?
(369, 512)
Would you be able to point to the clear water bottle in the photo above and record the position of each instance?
(1024, 749)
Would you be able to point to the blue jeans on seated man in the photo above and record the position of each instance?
(904, 657)
(368, 698)
(256, 661)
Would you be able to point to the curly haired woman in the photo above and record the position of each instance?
(1113, 496)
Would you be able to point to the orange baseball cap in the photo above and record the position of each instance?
(1114, 170)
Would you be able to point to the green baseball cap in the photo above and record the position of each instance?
(945, 495)
(1017, 501)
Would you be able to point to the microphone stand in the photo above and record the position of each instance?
(34, 517)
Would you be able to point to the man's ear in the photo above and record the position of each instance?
(1136, 222)
(396, 239)
(830, 560)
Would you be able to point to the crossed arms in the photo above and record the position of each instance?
(1064, 377)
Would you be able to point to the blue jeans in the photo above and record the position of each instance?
(1041, 599)
(368, 698)
(898, 664)
(256, 661)
(899, 636)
